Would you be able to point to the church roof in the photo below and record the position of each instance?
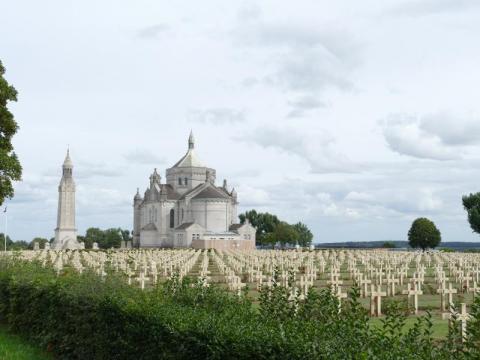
(190, 159)
(171, 193)
(150, 226)
(234, 227)
(184, 226)
(211, 192)
(167, 189)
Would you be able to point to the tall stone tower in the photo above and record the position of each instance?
(66, 233)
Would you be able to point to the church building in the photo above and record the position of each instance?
(189, 210)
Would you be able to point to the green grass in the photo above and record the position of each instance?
(440, 326)
(13, 347)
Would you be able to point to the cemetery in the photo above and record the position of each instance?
(430, 297)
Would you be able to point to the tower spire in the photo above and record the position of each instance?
(191, 140)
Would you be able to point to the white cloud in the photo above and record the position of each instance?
(405, 136)
(317, 148)
(217, 116)
(143, 156)
(151, 32)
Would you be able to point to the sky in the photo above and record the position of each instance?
(354, 117)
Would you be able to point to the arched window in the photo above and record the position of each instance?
(185, 181)
(179, 181)
(172, 218)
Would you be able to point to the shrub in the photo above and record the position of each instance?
(86, 317)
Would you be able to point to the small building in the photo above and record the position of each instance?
(189, 210)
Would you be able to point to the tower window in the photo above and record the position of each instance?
(185, 181)
(179, 181)
(172, 218)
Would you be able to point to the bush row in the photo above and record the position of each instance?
(81, 316)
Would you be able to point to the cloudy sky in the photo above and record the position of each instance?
(354, 117)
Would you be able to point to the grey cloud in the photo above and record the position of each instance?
(217, 116)
(305, 61)
(455, 130)
(418, 8)
(86, 170)
(404, 136)
(439, 136)
(143, 156)
(318, 148)
(303, 105)
(151, 32)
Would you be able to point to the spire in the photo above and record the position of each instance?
(137, 195)
(68, 162)
(191, 140)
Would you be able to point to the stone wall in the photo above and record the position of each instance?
(218, 244)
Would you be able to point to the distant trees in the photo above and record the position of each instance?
(41, 242)
(265, 224)
(10, 168)
(105, 238)
(271, 230)
(388, 245)
(424, 234)
(305, 236)
(471, 204)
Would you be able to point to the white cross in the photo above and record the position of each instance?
(376, 300)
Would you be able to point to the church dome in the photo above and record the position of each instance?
(190, 159)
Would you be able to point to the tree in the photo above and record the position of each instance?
(388, 245)
(285, 234)
(2, 241)
(471, 203)
(424, 234)
(105, 239)
(305, 236)
(93, 235)
(41, 242)
(10, 168)
(264, 223)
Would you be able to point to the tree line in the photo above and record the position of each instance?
(106, 239)
(271, 230)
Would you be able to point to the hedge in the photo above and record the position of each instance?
(81, 316)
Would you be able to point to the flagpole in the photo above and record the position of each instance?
(6, 224)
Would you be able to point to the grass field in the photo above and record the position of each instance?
(13, 347)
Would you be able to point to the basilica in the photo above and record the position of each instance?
(189, 210)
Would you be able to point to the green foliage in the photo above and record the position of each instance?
(13, 347)
(305, 236)
(10, 168)
(41, 242)
(388, 245)
(106, 239)
(471, 204)
(424, 234)
(12, 245)
(285, 234)
(270, 230)
(264, 223)
(84, 317)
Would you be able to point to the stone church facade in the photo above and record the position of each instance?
(189, 210)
